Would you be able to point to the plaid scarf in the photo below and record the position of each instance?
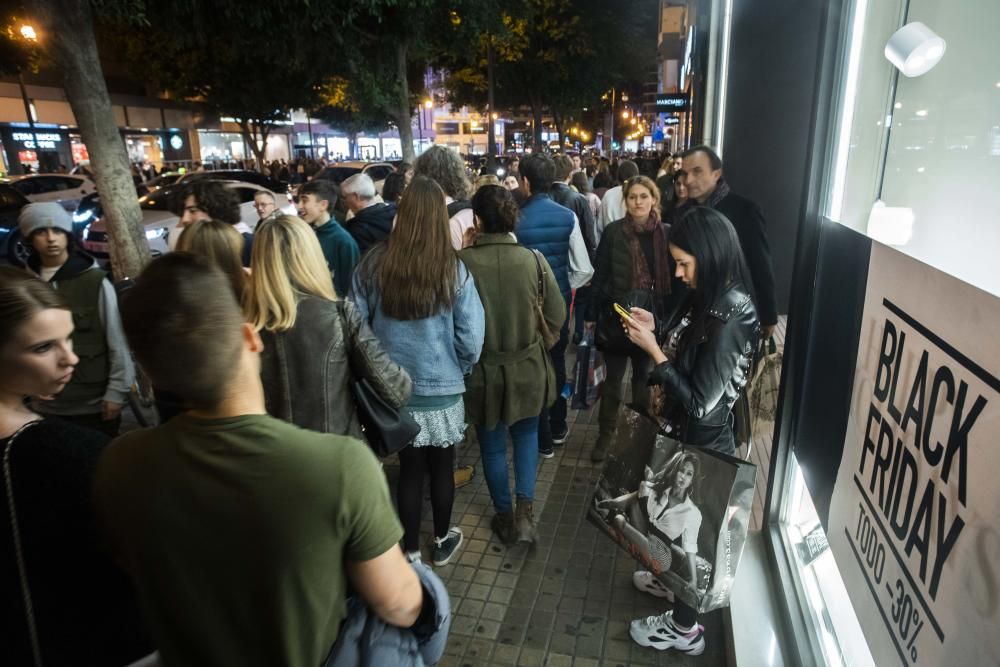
(641, 277)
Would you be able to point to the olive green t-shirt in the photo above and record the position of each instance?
(236, 532)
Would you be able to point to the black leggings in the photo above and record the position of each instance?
(414, 464)
(684, 615)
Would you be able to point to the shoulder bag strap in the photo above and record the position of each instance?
(29, 611)
(541, 278)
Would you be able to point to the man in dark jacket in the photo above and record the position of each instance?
(94, 396)
(706, 187)
(372, 221)
(211, 200)
(554, 231)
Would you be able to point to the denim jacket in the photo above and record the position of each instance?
(437, 351)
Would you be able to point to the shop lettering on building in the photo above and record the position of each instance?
(915, 504)
(35, 140)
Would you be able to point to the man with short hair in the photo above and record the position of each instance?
(564, 195)
(554, 231)
(316, 200)
(613, 202)
(703, 178)
(100, 384)
(203, 199)
(264, 204)
(241, 532)
(372, 221)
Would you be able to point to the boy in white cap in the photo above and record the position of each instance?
(99, 388)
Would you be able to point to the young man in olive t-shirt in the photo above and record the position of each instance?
(240, 531)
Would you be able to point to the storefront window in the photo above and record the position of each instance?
(221, 146)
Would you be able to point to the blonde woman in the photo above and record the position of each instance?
(220, 244)
(312, 341)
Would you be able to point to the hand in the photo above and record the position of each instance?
(643, 337)
(610, 504)
(589, 326)
(767, 331)
(470, 237)
(110, 410)
(643, 318)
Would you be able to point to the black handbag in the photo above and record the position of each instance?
(610, 336)
(387, 429)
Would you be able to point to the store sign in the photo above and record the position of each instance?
(672, 120)
(913, 518)
(176, 142)
(672, 102)
(34, 140)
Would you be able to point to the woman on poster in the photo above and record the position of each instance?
(702, 355)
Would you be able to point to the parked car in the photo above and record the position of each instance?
(12, 249)
(160, 222)
(65, 189)
(245, 175)
(340, 172)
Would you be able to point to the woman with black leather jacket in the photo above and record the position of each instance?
(702, 355)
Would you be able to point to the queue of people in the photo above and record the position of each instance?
(257, 490)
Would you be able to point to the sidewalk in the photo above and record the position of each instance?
(566, 602)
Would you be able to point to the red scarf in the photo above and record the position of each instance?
(641, 277)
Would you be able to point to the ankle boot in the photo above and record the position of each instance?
(607, 419)
(524, 521)
(503, 527)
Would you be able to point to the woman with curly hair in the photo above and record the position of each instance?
(445, 167)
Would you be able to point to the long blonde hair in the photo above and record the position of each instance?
(221, 245)
(417, 272)
(287, 263)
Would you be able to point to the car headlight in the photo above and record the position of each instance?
(83, 216)
(153, 234)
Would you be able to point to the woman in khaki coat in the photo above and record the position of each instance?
(514, 378)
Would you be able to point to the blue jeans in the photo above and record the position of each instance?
(493, 447)
(553, 418)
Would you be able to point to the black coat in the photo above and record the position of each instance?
(371, 225)
(750, 226)
(564, 195)
(710, 369)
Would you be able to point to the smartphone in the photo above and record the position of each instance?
(622, 313)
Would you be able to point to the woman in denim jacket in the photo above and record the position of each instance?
(423, 306)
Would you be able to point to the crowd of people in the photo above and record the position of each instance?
(253, 525)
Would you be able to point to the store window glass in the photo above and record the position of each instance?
(920, 156)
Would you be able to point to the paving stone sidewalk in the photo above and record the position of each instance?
(569, 600)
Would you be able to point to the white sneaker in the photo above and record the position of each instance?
(646, 582)
(659, 632)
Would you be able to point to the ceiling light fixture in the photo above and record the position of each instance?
(915, 49)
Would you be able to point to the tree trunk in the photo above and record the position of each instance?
(250, 128)
(557, 118)
(404, 114)
(68, 37)
(536, 115)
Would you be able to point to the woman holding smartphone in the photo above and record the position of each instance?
(702, 354)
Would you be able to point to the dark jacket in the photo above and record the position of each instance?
(514, 378)
(341, 253)
(365, 640)
(710, 369)
(84, 608)
(371, 225)
(546, 227)
(564, 195)
(306, 371)
(748, 220)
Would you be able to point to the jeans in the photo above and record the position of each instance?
(493, 447)
(553, 419)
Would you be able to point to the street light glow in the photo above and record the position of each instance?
(428, 104)
(624, 114)
(28, 32)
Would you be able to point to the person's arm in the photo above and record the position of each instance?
(689, 540)
(580, 268)
(621, 503)
(469, 321)
(121, 371)
(715, 366)
(370, 360)
(599, 284)
(587, 226)
(554, 307)
(389, 586)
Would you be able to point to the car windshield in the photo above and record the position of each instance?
(337, 174)
(158, 200)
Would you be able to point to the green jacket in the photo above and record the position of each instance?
(341, 253)
(514, 378)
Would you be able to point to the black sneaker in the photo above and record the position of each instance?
(560, 437)
(447, 546)
(546, 451)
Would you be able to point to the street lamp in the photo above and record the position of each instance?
(420, 121)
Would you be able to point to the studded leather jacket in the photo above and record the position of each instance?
(711, 368)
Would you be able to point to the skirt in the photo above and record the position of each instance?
(440, 427)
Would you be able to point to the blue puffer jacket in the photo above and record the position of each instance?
(366, 640)
(546, 227)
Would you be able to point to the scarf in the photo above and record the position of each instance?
(641, 278)
(718, 194)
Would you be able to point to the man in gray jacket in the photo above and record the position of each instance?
(99, 388)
